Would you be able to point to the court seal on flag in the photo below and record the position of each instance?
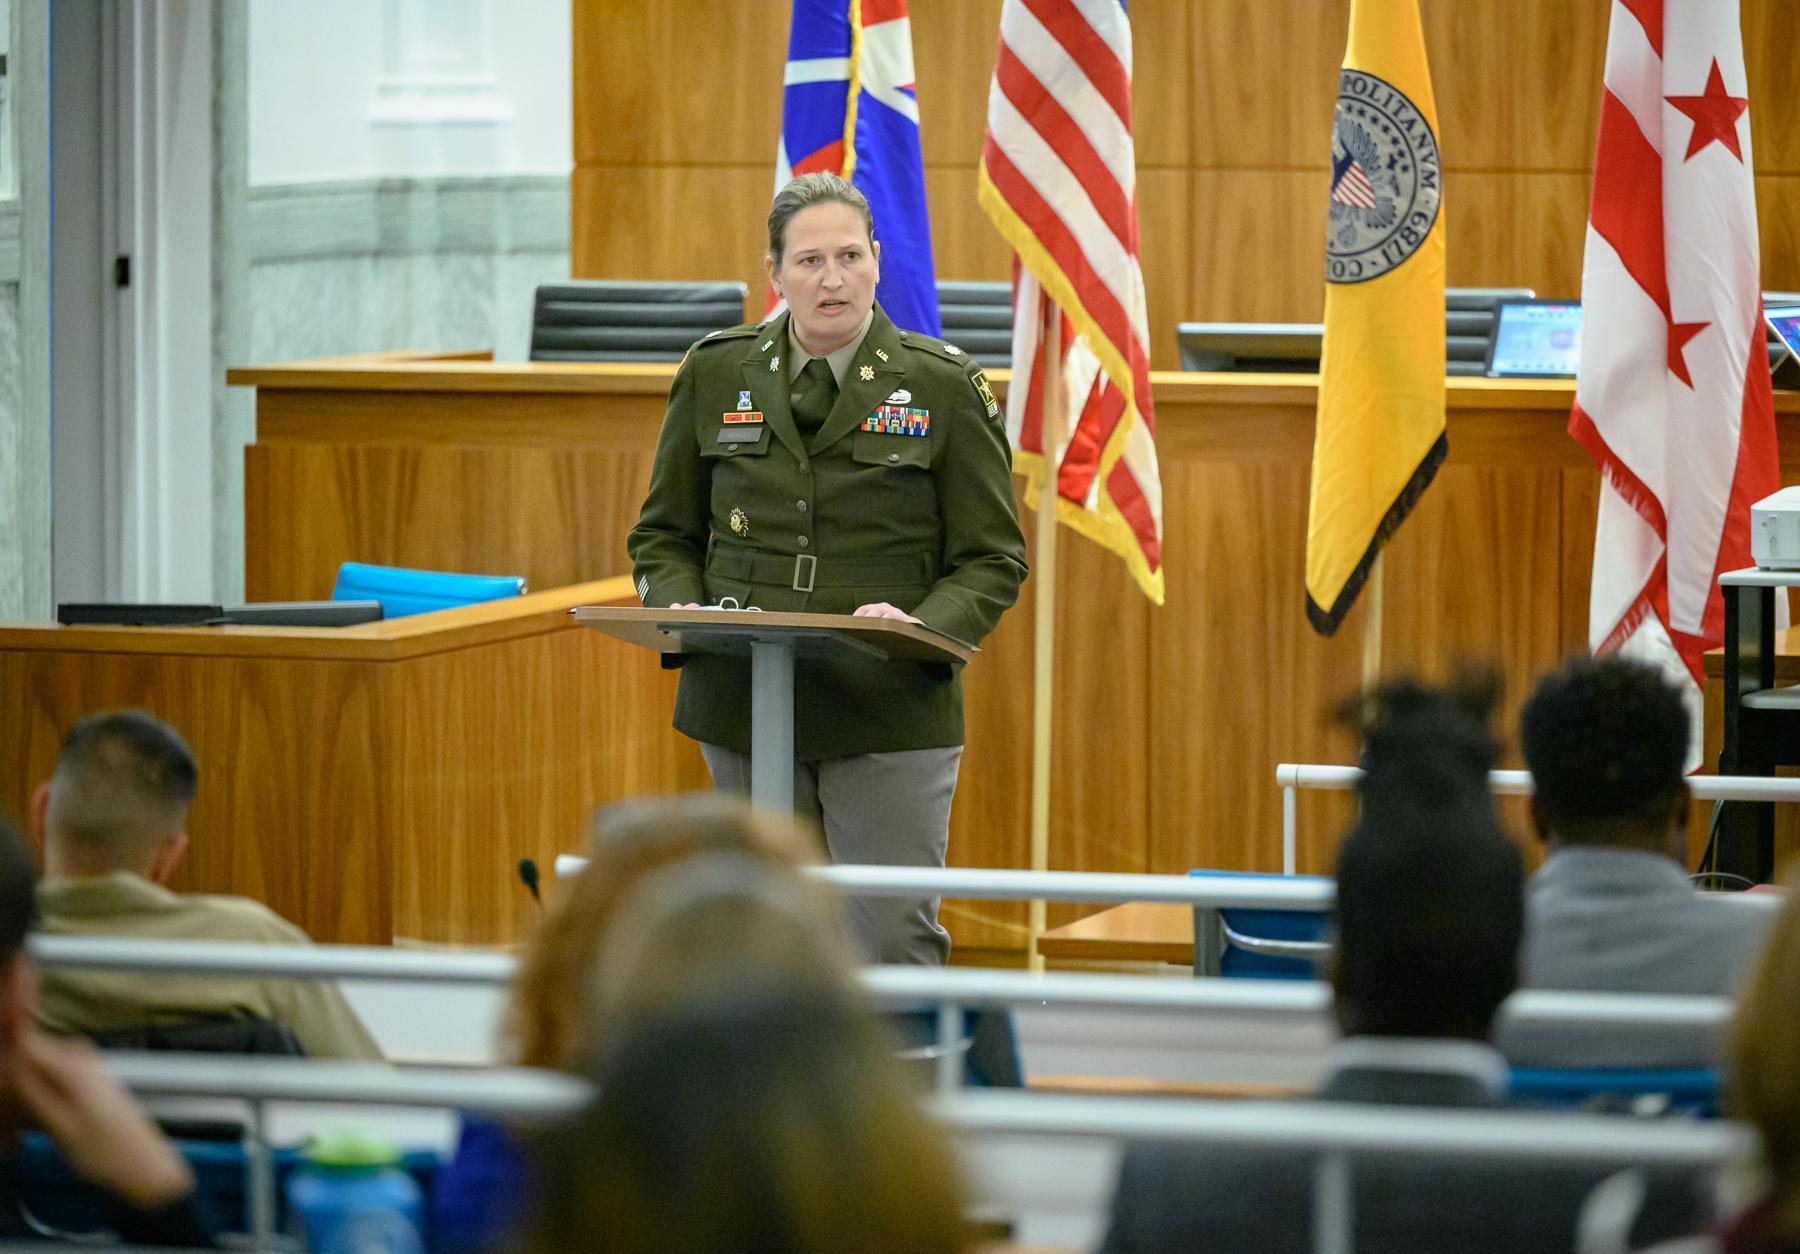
(1386, 184)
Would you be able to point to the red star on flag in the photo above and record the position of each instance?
(1715, 115)
(1679, 334)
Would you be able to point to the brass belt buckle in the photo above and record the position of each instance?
(804, 565)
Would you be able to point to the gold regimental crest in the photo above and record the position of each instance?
(740, 523)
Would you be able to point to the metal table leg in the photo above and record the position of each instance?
(772, 724)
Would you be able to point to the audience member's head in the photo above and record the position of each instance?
(553, 1011)
(118, 799)
(18, 911)
(1765, 1068)
(746, 1099)
(1430, 891)
(1606, 740)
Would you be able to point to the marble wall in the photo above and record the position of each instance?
(20, 479)
(402, 263)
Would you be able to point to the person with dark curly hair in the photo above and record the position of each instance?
(1612, 908)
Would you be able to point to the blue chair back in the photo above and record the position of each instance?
(1692, 1090)
(1236, 962)
(403, 592)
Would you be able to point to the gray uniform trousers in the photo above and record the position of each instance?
(887, 808)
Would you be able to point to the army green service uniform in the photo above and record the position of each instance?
(903, 494)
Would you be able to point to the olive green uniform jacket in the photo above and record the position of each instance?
(750, 509)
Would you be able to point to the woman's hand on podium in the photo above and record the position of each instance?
(881, 609)
(687, 605)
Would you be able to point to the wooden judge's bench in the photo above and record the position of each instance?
(1170, 720)
(382, 781)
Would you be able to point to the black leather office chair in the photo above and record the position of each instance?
(978, 319)
(1470, 314)
(629, 319)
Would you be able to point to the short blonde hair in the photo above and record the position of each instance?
(1765, 1065)
(552, 1017)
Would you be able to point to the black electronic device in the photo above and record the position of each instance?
(1256, 347)
(254, 614)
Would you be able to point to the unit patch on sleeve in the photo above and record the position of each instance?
(987, 393)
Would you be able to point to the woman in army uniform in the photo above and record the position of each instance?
(828, 461)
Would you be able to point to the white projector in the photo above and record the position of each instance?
(1775, 530)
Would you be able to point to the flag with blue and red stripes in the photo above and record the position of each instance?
(848, 107)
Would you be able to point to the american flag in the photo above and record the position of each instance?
(1672, 399)
(1059, 179)
(1350, 185)
(848, 107)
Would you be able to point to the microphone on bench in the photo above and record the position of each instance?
(528, 876)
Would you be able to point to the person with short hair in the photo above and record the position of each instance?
(828, 461)
(112, 822)
(1427, 924)
(1611, 909)
(63, 1087)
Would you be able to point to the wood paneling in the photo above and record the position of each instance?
(370, 800)
(555, 517)
(1169, 721)
(1232, 117)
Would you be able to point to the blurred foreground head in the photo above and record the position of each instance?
(747, 1099)
(1430, 891)
(18, 913)
(553, 1015)
(1764, 1085)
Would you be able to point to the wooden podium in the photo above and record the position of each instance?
(773, 642)
(376, 783)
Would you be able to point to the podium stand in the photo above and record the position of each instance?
(772, 642)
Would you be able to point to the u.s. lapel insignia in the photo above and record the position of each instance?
(774, 364)
(866, 373)
(766, 345)
(744, 405)
(740, 523)
(881, 353)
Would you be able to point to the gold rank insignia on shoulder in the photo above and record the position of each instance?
(881, 353)
(865, 373)
(987, 393)
(740, 523)
(953, 350)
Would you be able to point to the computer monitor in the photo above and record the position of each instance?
(1784, 320)
(1278, 347)
(1536, 339)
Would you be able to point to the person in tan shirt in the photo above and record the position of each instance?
(112, 823)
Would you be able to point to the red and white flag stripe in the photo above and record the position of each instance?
(1672, 399)
(1059, 179)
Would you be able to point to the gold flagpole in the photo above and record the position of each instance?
(1043, 574)
(1371, 599)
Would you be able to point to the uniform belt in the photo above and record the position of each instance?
(805, 572)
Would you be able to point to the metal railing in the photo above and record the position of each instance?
(1339, 1133)
(948, 991)
(1290, 777)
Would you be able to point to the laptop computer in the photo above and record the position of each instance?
(1784, 320)
(1535, 339)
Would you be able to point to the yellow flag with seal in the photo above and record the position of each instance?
(1380, 435)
